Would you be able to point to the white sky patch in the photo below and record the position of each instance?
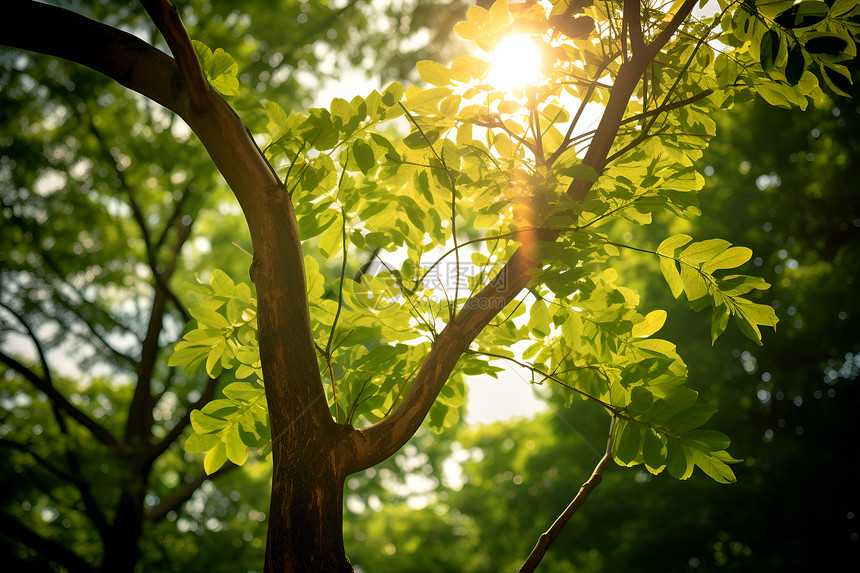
(510, 396)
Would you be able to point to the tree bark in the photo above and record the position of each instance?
(306, 512)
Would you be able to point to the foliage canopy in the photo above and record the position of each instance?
(474, 160)
(512, 181)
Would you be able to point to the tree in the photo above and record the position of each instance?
(84, 295)
(544, 250)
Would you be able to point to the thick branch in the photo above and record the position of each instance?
(546, 539)
(119, 55)
(375, 443)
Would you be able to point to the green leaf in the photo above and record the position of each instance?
(222, 284)
(244, 391)
(200, 443)
(719, 321)
(186, 355)
(655, 451)
(673, 278)
(213, 361)
(748, 329)
(691, 418)
(702, 251)
(392, 94)
(640, 400)
(628, 442)
(580, 171)
(726, 69)
(795, 66)
(664, 409)
(837, 78)
(237, 451)
(730, 258)
(416, 98)
(204, 424)
(653, 322)
(222, 73)
(769, 49)
(695, 287)
(671, 244)
(735, 285)
(713, 467)
(539, 319)
(207, 316)
(215, 458)
(434, 73)
(363, 155)
(679, 460)
(826, 44)
(706, 440)
(803, 15)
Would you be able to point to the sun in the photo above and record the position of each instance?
(515, 63)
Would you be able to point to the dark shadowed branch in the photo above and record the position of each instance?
(54, 395)
(183, 493)
(47, 549)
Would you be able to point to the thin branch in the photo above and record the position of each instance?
(183, 493)
(680, 16)
(551, 376)
(546, 539)
(161, 278)
(91, 507)
(166, 18)
(47, 549)
(535, 125)
(667, 107)
(97, 430)
(633, 23)
(183, 422)
(46, 371)
(40, 460)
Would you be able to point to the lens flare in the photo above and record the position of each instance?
(515, 63)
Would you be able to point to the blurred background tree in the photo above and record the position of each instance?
(94, 210)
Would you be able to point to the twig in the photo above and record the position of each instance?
(546, 539)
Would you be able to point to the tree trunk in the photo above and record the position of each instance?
(121, 547)
(306, 512)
